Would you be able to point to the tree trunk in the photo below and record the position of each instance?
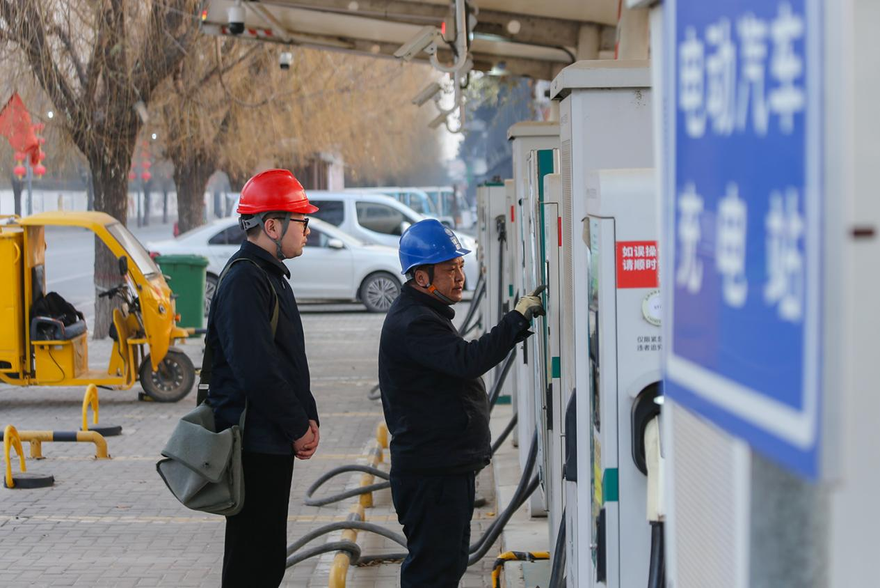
(16, 195)
(147, 202)
(191, 177)
(164, 204)
(110, 181)
(90, 192)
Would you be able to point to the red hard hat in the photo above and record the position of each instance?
(274, 190)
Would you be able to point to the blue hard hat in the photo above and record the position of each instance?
(428, 242)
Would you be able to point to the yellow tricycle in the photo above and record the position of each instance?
(44, 340)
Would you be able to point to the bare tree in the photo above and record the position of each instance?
(228, 106)
(196, 115)
(99, 62)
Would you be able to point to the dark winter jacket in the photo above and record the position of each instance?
(435, 402)
(272, 375)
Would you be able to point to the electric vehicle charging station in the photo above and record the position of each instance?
(543, 346)
(606, 124)
(493, 234)
(624, 357)
(554, 399)
(507, 301)
(526, 138)
(540, 162)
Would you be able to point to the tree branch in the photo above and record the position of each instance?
(162, 50)
(24, 25)
(74, 58)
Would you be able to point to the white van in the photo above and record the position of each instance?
(415, 198)
(380, 219)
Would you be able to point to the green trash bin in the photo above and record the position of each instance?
(186, 278)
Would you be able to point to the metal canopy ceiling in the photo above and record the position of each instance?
(518, 37)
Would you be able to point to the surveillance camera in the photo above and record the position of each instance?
(285, 59)
(426, 94)
(425, 40)
(235, 16)
(441, 118)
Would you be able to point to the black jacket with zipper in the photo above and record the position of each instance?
(273, 375)
(433, 395)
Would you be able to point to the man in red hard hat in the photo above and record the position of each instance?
(260, 374)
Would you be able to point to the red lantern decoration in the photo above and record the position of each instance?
(19, 171)
(20, 156)
(132, 175)
(145, 176)
(42, 140)
(41, 155)
(39, 170)
(146, 165)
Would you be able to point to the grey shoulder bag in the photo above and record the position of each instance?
(202, 467)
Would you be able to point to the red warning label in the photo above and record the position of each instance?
(637, 264)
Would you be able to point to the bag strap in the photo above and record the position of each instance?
(208, 358)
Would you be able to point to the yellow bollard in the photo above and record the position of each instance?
(342, 561)
(366, 500)
(36, 449)
(10, 440)
(91, 397)
(382, 435)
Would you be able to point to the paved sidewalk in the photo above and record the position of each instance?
(113, 523)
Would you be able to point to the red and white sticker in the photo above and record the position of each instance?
(637, 264)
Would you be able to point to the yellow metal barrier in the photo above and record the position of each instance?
(342, 561)
(91, 397)
(37, 438)
(11, 439)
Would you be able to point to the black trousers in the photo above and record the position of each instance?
(436, 513)
(256, 538)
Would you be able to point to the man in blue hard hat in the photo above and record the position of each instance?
(435, 403)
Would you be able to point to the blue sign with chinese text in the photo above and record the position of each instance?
(743, 201)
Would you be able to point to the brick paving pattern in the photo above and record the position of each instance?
(113, 523)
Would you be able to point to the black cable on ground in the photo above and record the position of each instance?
(351, 547)
(309, 501)
(523, 490)
(477, 550)
(489, 538)
(557, 566)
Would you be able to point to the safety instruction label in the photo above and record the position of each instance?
(637, 264)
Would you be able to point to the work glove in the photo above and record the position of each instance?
(530, 305)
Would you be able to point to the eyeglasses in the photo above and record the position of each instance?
(304, 221)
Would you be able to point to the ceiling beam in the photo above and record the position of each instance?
(537, 30)
(517, 66)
